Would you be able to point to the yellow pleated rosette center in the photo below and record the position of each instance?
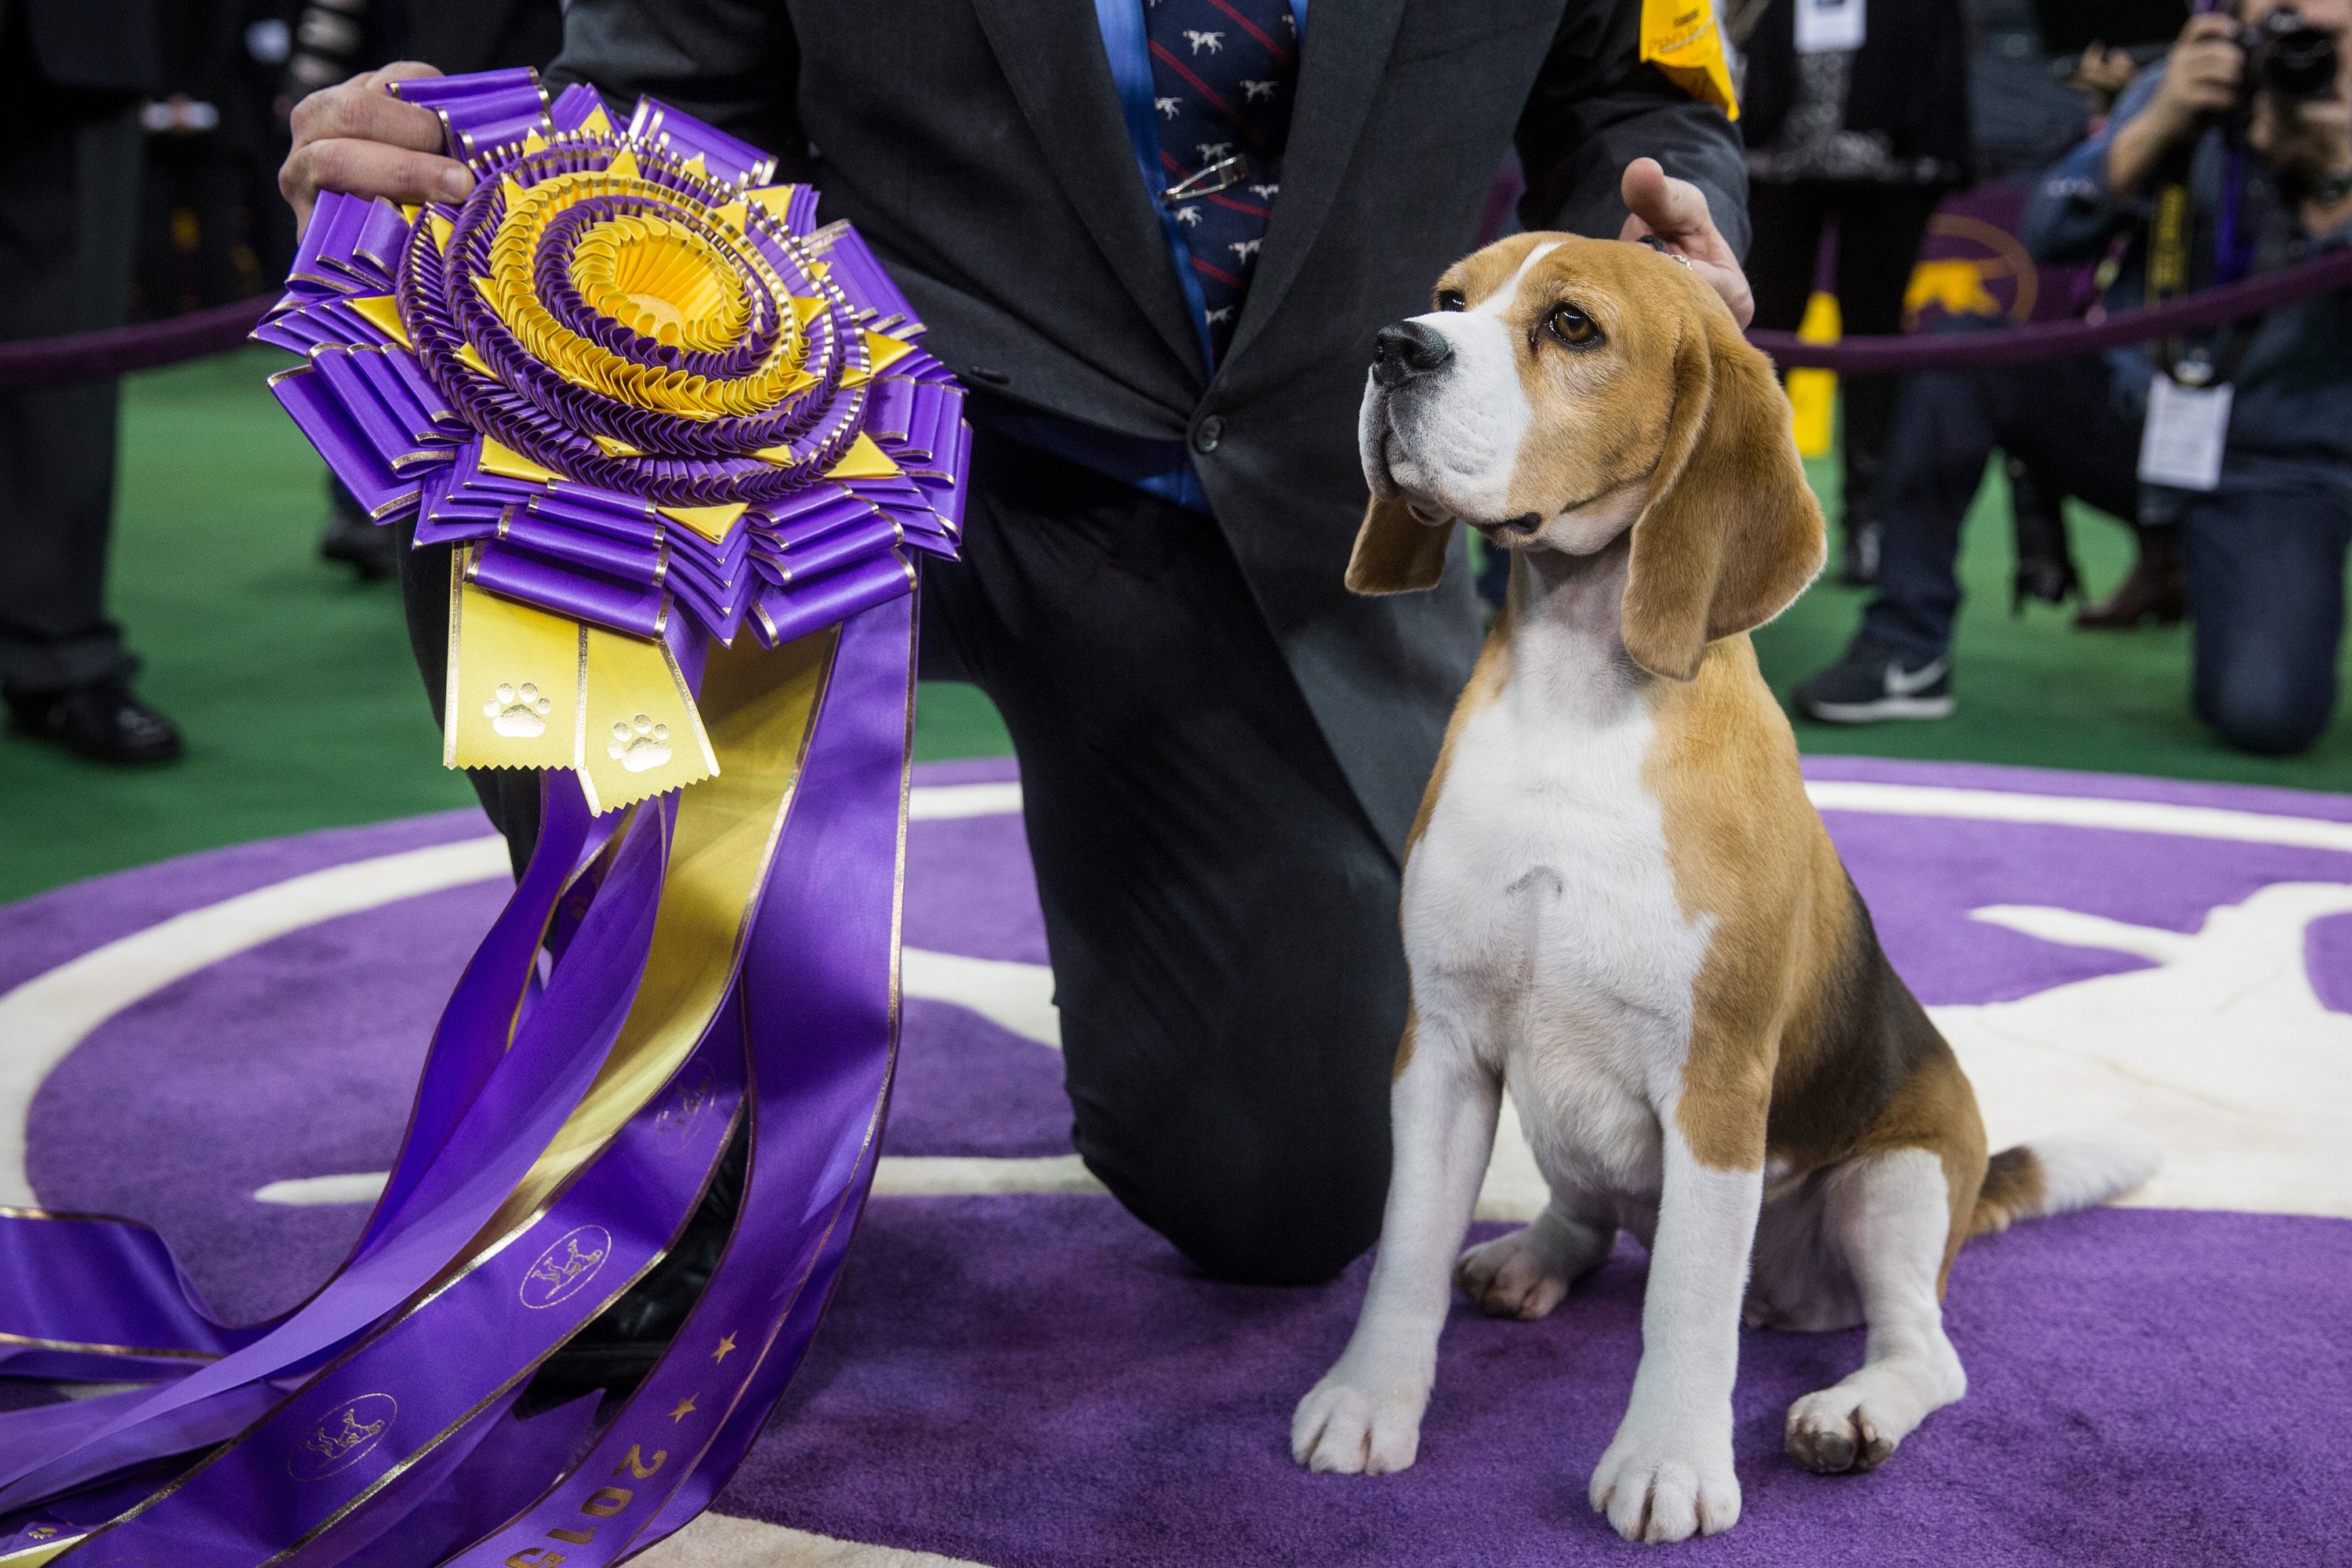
(661, 280)
(660, 272)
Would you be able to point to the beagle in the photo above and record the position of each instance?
(1618, 899)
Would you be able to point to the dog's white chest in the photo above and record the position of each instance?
(1544, 932)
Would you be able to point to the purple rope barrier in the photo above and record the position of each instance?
(2058, 340)
(92, 356)
(95, 356)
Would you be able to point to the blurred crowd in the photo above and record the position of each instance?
(2145, 155)
(1930, 164)
(140, 144)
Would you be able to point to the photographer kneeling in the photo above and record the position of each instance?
(2233, 157)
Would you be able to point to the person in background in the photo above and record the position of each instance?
(192, 228)
(1857, 117)
(2262, 532)
(337, 39)
(73, 74)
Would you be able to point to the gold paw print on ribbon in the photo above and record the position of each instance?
(530, 689)
(639, 745)
(518, 713)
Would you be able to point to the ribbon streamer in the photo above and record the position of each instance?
(688, 445)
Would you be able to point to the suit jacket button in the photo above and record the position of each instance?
(1207, 433)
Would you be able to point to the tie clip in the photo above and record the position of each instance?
(1223, 174)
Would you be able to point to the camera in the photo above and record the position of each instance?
(2289, 58)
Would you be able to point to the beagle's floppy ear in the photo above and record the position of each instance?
(1729, 533)
(1396, 552)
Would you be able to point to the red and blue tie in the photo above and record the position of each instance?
(1223, 73)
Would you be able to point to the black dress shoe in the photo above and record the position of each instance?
(102, 722)
(616, 1350)
(2154, 590)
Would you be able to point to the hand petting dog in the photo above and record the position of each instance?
(1674, 213)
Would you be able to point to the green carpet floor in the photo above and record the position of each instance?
(303, 710)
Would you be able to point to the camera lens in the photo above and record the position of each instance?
(2294, 60)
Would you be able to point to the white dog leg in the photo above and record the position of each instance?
(1365, 1416)
(1667, 1473)
(1890, 1215)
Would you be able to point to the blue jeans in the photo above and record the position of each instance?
(2264, 563)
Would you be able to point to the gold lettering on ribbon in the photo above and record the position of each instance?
(565, 1268)
(634, 1463)
(343, 1436)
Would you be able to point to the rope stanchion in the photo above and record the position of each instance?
(2059, 340)
(92, 356)
(95, 356)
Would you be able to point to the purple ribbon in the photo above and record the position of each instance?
(374, 1424)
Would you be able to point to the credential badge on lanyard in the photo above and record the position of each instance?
(2187, 424)
(1826, 25)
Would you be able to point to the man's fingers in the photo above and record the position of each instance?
(1673, 208)
(365, 168)
(366, 113)
(401, 70)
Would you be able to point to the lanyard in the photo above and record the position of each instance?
(2170, 241)
(1130, 48)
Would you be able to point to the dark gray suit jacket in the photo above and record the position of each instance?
(979, 146)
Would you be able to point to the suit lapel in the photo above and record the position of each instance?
(1339, 63)
(1051, 52)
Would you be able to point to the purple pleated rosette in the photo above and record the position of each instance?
(634, 380)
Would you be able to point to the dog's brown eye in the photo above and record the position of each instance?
(1572, 326)
(1451, 300)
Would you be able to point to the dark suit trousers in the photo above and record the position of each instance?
(1220, 915)
(68, 202)
(1879, 229)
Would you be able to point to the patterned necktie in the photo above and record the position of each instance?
(1224, 73)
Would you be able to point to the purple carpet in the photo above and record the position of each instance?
(1040, 1380)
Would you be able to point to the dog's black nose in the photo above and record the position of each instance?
(1407, 350)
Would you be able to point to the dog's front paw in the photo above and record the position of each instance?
(1358, 1427)
(1659, 1488)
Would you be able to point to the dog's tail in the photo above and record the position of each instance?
(2063, 1171)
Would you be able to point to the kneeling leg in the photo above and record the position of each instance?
(1889, 1215)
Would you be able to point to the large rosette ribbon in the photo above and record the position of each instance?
(684, 442)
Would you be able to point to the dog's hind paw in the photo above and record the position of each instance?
(1513, 1276)
(1856, 1424)
(1528, 1272)
(1343, 1429)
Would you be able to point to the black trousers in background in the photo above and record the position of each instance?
(69, 208)
(1879, 229)
(2264, 560)
(1220, 915)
